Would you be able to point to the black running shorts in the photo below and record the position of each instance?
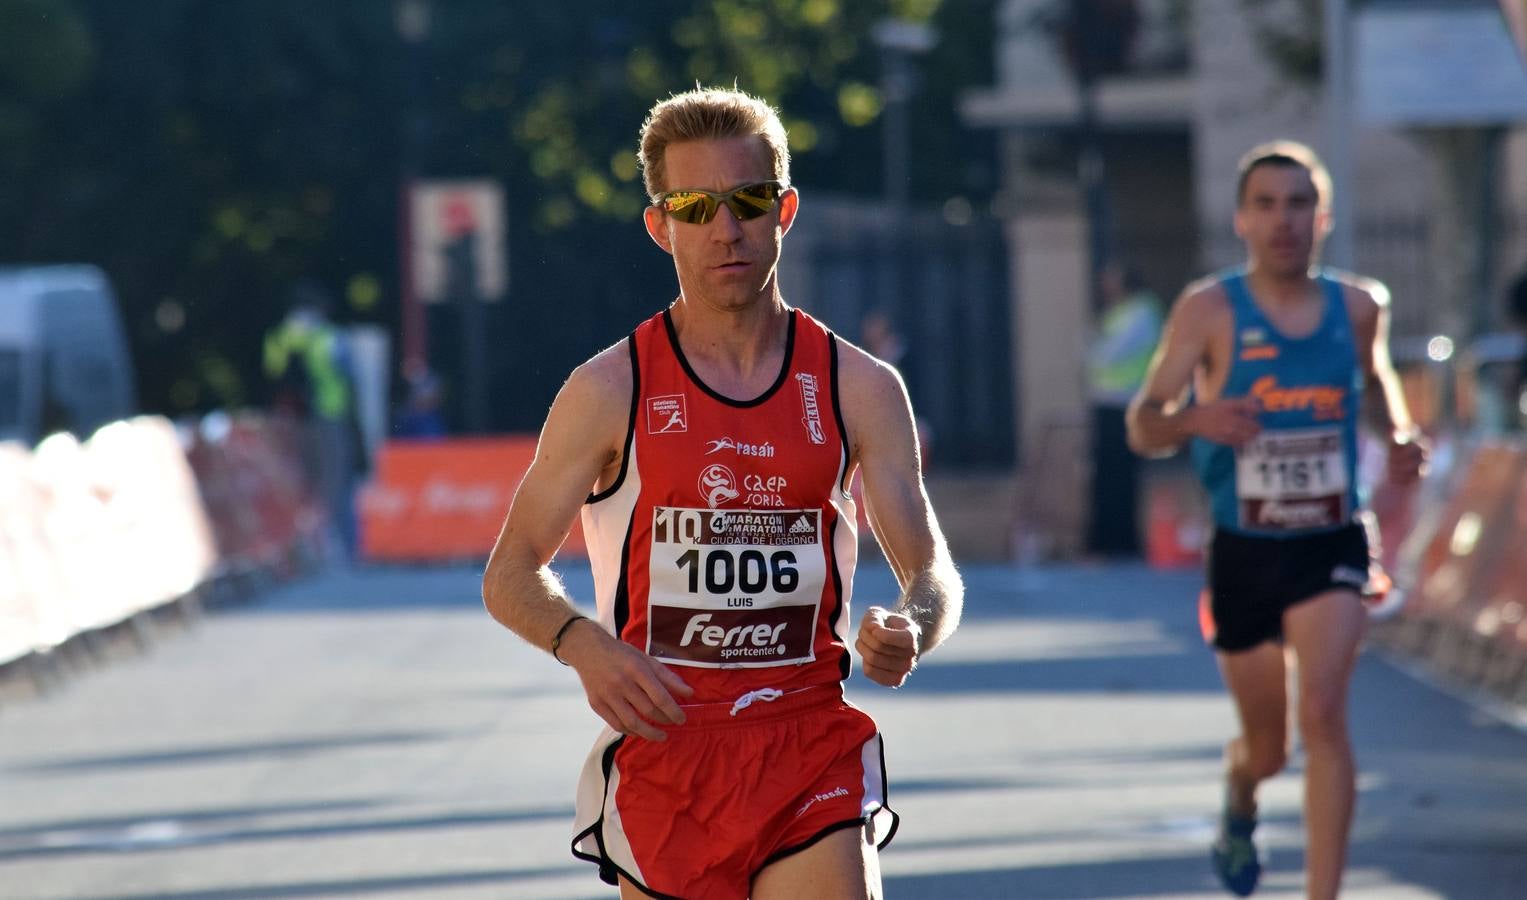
(1254, 580)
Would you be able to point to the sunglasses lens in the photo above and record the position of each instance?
(690, 207)
(752, 200)
(698, 207)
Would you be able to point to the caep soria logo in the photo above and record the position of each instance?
(718, 485)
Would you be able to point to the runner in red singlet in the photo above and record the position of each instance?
(710, 455)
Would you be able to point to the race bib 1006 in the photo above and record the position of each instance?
(734, 587)
(1291, 479)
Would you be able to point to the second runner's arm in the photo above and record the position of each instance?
(1368, 305)
(1160, 419)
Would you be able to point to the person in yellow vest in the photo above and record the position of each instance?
(307, 357)
(1128, 328)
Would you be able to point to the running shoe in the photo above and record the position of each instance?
(1235, 857)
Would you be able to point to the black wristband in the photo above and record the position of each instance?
(556, 640)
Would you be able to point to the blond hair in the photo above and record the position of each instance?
(709, 114)
(1288, 154)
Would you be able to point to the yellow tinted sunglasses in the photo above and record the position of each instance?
(696, 207)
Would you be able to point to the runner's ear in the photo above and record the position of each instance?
(789, 203)
(657, 228)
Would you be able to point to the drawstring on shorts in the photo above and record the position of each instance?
(768, 695)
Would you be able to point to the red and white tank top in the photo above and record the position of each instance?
(727, 544)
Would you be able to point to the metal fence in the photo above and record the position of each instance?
(944, 287)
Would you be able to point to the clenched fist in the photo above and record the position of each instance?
(889, 644)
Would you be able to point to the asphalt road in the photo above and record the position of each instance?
(374, 734)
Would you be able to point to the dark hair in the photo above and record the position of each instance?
(1284, 154)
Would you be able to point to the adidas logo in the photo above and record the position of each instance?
(803, 526)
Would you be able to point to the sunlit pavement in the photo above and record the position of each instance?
(374, 734)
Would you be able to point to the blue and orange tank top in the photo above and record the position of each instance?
(1299, 475)
(727, 544)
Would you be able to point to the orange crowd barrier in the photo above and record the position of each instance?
(1467, 561)
(262, 510)
(1467, 540)
(444, 500)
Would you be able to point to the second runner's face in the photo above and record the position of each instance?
(1281, 220)
(725, 264)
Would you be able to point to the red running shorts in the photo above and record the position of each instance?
(735, 788)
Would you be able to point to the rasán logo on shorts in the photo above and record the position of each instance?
(718, 485)
(813, 413)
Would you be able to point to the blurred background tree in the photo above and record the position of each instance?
(207, 155)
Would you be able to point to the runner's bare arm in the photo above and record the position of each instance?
(883, 441)
(1160, 420)
(1386, 408)
(583, 437)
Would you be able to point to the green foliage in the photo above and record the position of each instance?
(45, 56)
(1289, 34)
(214, 153)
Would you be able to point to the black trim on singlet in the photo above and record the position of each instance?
(784, 369)
(625, 456)
(845, 661)
(623, 584)
(837, 407)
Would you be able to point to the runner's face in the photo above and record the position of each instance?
(725, 264)
(1281, 220)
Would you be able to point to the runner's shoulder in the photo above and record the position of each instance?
(861, 373)
(1202, 308)
(602, 384)
(1361, 291)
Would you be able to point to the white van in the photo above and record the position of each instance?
(64, 364)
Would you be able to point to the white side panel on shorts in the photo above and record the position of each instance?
(874, 790)
(616, 845)
(596, 808)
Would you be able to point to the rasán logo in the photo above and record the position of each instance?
(718, 485)
(741, 448)
(813, 417)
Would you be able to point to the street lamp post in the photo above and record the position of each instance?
(899, 41)
(412, 20)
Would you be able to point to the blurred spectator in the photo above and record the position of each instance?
(419, 417)
(1129, 326)
(879, 336)
(306, 357)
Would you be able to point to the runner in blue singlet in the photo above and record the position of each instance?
(1276, 358)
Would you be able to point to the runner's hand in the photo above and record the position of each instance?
(1408, 454)
(888, 643)
(1228, 420)
(632, 692)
